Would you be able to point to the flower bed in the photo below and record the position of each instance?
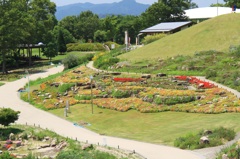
(194, 80)
(132, 94)
(127, 79)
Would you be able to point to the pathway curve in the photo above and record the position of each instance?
(33, 116)
(235, 92)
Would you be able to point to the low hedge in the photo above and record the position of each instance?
(85, 47)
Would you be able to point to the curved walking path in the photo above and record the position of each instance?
(33, 116)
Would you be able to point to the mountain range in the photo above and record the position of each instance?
(124, 7)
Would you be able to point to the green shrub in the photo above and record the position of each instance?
(110, 43)
(70, 61)
(85, 47)
(65, 87)
(104, 62)
(151, 38)
(192, 141)
(211, 73)
(121, 94)
(83, 97)
(6, 155)
(79, 154)
(173, 100)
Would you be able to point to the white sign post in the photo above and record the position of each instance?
(126, 40)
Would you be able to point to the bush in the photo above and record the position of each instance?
(83, 97)
(173, 100)
(65, 87)
(110, 43)
(192, 141)
(211, 73)
(70, 61)
(8, 116)
(85, 47)
(78, 154)
(121, 94)
(104, 61)
(151, 38)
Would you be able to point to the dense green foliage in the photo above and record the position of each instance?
(76, 154)
(174, 100)
(104, 62)
(232, 151)
(217, 137)
(62, 48)
(152, 38)
(85, 47)
(24, 23)
(6, 155)
(65, 87)
(72, 60)
(121, 94)
(8, 116)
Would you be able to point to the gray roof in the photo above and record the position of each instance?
(165, 27)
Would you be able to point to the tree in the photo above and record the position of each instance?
(217, 5)
(8, 116)
(69, 23)
(50, 49)
(109, 25)
(12, 27)
(87, 25)
(100, 36)
(166, 11)
(230, 3)
(41, 14)
(68, 37)
(61, 45)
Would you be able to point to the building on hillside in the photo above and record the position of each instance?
(201, 14)
(167, 27)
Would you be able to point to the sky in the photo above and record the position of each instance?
(200, 3)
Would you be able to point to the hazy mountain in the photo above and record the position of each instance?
(125, 7)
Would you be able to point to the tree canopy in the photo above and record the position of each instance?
(8, 116)
(24, 22)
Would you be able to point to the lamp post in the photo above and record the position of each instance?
(26, 71)
(91, 78)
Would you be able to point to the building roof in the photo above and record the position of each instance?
(165, 27)
(208, 12)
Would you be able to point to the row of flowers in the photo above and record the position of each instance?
(118, 79)
(198, 82)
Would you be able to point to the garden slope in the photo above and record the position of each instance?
(214, 34)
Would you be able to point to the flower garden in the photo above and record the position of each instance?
(123, 92)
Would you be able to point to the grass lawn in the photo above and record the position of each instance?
(159, 128)
(1, 84)
(214, 34)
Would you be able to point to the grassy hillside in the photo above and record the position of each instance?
(214, 34)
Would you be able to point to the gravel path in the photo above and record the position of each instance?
(33, 116)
